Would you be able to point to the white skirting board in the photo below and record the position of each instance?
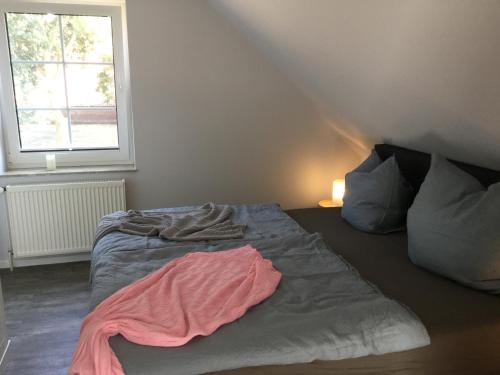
(3, 348)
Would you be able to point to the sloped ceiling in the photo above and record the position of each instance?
(418, 73)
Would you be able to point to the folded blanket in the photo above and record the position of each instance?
(190, 296)
(209, 222)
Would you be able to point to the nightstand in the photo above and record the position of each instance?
(325, 203)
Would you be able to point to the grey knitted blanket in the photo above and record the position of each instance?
(209, 222)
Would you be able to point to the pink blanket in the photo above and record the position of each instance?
(190, 296)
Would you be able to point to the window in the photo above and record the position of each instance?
(64, 88)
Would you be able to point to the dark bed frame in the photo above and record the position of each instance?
(415, 164)
(463, 324)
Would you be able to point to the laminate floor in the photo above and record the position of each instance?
(44, 306)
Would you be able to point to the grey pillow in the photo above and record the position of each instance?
(377, 196)
(454, 227)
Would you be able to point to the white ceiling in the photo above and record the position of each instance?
(418, 73)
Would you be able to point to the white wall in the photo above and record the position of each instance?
(215, 120)
(417, 73)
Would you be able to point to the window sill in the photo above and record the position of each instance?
(69, 170)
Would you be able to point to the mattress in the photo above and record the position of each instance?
(322, 309)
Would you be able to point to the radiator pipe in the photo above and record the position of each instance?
(11, 252)
(11, 260)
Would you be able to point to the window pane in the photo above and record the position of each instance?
(94, 128)
(39, 85)
(34, 37)
(90, 85)
(87, 39)
(50, 87)
(43, 129)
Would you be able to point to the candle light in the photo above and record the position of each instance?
(338, 190)
(50, 159)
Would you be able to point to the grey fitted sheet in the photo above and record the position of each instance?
(322, 308)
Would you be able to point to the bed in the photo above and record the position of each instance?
(464, 325)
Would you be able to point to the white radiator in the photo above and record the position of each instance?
(55, 219)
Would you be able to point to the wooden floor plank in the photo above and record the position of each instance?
(44, 306)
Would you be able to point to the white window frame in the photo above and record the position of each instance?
(124, 155)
